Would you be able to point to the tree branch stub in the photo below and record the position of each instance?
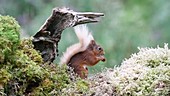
(47, 38)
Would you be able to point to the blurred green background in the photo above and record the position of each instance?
(127, 24)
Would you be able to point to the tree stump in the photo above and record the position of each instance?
(47, 38)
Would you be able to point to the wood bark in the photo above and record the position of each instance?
(47, 38)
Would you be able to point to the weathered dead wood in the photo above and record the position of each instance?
(47, 38)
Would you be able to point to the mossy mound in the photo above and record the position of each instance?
(23, 72)
(146, 73)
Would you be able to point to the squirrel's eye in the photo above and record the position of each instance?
(99, 48)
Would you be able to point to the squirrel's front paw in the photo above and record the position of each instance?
(102, 58)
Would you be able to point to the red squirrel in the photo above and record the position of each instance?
(83, 54)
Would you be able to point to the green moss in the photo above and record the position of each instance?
(37, 78)
(9, 33)
(5, 49)
(22, 70)
(5, 76)
(82, 85)
(9, 29)
(29, 70)
(78, 88)
(54, 82)
(28, 49)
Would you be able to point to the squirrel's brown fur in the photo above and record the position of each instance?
(85, 53)
(90, 57)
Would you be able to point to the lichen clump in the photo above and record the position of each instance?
(146, 73)
(22, 70)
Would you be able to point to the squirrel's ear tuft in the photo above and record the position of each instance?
(91, 45)
(93, 42)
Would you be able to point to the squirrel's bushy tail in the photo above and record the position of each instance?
(84, 37)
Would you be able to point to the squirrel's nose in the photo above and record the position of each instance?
(103, 59)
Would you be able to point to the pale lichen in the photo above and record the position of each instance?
(146, 73)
